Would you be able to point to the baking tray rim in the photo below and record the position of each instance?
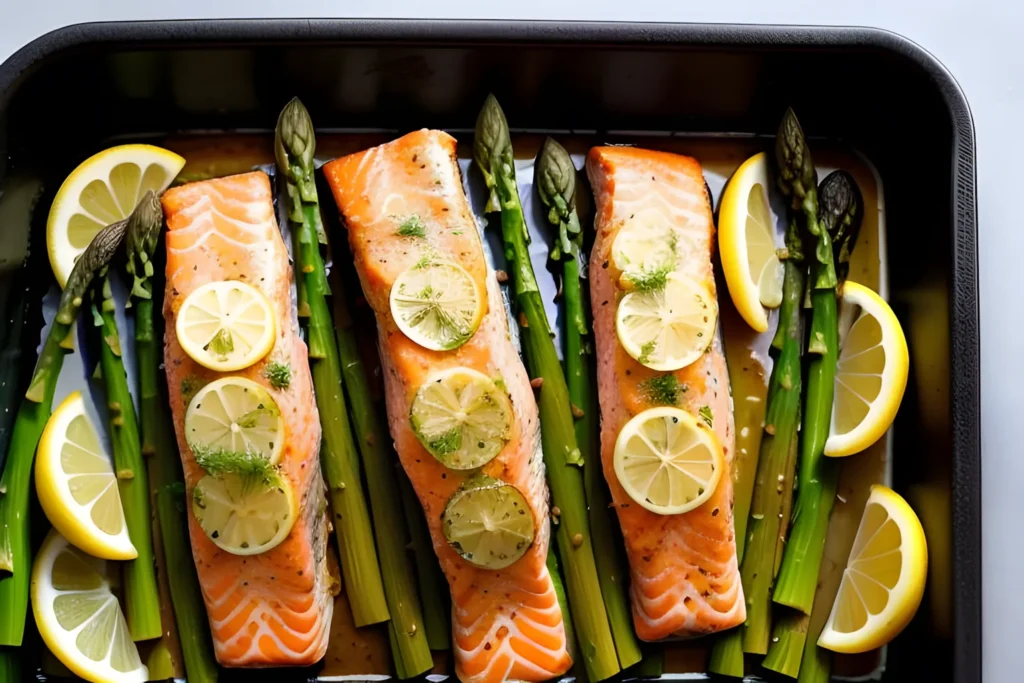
(964, 302)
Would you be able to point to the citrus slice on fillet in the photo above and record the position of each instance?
(489, 523)
(103, 189)
(76, 484)
(871, 374)
(79, 617)
(226, 325)
(437, 305)
(746, 241)
(234, 417)
(884, 579)
(668, 461)
(246, 510)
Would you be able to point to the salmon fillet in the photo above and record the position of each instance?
(685, 579)
(271, 609)
(506, 624)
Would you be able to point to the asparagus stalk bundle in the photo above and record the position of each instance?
(390, 591)
(16, 480)
(142, 599)
(555, 179)
(168, 482)
(492, 152)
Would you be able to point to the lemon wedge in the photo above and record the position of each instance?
(746, 241)
(76, 484)
(245, 509)
(437, 305)
(79, 617)
(488, 522)
(234, 417)
(668, 326)
(461, 417)
(226, 325)
(871, 374)
(103, 189)
(884, 579)
(668, 461)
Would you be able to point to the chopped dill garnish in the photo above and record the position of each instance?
(278, 374)
(222, 344)
(423, 262)
(661, 390)
(447, 443)
(189, 386)
(412, 227)
(250, 467)
(705, 414)
(651, 280)
(645, 352)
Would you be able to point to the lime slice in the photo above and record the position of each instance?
(746, 242)
(668, 461)
(78, 614)
(489, 523)
(884, 579)
(226, 325)
(76, 484)
(461, 417)
(245, 512)
(871, 374)
(668, 327)
(234, 417)
(103, 189)
(645, 252)
(437, 305)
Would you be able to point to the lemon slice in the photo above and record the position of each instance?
(746, 240)
(884, 579)
(77, 486)
(461, 417)
(78, 615)
(246, 510)
(871, 374)
(645, 251)
(488, 522)
(226, 325)
(668, 327)
(103, 189)
(438, 305)
(668, 461)
(234, 416)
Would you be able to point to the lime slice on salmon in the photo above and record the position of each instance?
(461, 417)
(78, 614)
(489, 523)
(226, 325)
(103, 189)
(76, 484)
(437, 305)
(668, 461)
(668, 326)
(245, 510)
(645, 252)
(234, 417)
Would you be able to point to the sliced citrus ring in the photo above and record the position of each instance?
(746, 241)
(871, 374)
(77, 486)
(438, 305)
(247, 511)
(461, 417)
(645, 251)
(488, 522)
(78, 615)
(668, 461)
(669, 327)
(234, 417)
(226, 325)
(884, 579)
(103, 189)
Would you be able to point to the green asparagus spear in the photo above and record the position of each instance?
(492, 152)
(818, 476)
(139, 575)
(165, 469)
(294, 144)
(555, 179)
(769, 512)
(16, 481)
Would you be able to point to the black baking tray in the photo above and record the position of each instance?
(66, 94)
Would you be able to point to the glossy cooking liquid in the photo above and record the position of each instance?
(364, 651)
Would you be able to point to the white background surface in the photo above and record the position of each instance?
(980, 43)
